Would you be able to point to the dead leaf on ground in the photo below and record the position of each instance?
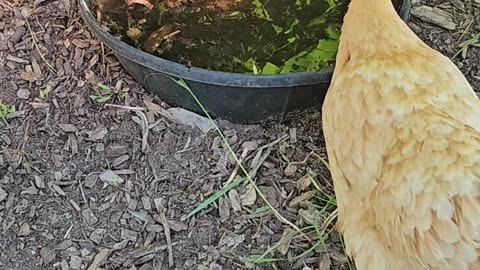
(97, 134)
(285, 241)
(99, 259)
(223, 209)
(47, 255)
(134, 33)
(290, 170)
(3, 194)
(249, 197)
(36, 67)
(24, 230)
(30, 76)
(235, 200)
(324, 262)
(89, 216)
(23, 93)
(270, 194)
(191, 119)
(177, 226)
(304, 182)
(310, 215)
(140, 2)
(303, 197)
(32, 190)
(111, 178)
(434, 15)
(68, 127)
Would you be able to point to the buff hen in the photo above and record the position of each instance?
(402, 131)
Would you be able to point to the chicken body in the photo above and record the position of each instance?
(402, 129)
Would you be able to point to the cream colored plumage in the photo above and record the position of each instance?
(402, 129)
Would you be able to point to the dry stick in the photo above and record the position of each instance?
(34, 40)
(144, 130)
(125, 107)
(6, 5)
(465, 31)
(65, 236)
(235, 170)
(171, 34)
(253, 172)
(303, 161)
(81, 191)
(232, 153)
(284, 137)
(21, 147)
(103, 59)
(47, 115)
(99, 259)
(141, 2)
(167, 236)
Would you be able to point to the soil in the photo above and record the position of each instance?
(60, 207)
(198, 33)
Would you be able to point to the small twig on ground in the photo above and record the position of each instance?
(253, 172)
(144, 130)
(303, 161)
(465, 45)
(183, 84)
(125, 107)
(21, 147)
(166, 229)
(166, 37)
(47, 115)
(67, 234)
(81, 191)
(465, 31)
(282, 138)
(237, 167)
(35, 43)
(144, 3)
(154, 171)
(102, 68)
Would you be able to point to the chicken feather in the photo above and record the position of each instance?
(402, 130)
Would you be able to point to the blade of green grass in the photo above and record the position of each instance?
(215, 196)
(261, 259)
(35, 43)
(466, 44)
(184, 85)
(345, 252)
(262, 209)
(314, 183)
(321, 241)
(284, 239)
(256, 260)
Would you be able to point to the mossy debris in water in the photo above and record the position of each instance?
(243, 36)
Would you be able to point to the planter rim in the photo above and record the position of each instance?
(221, 78)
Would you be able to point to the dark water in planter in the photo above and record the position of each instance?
(249, 36)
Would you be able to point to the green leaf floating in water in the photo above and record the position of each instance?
(333, 33)
(331, 5)
(251, 65)
(317, 21)
(260, 11)
(270, 69)
(325, 51)
(278, 29)
(312, 60)
(290, 29)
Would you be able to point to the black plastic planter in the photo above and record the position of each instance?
(236, 97)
